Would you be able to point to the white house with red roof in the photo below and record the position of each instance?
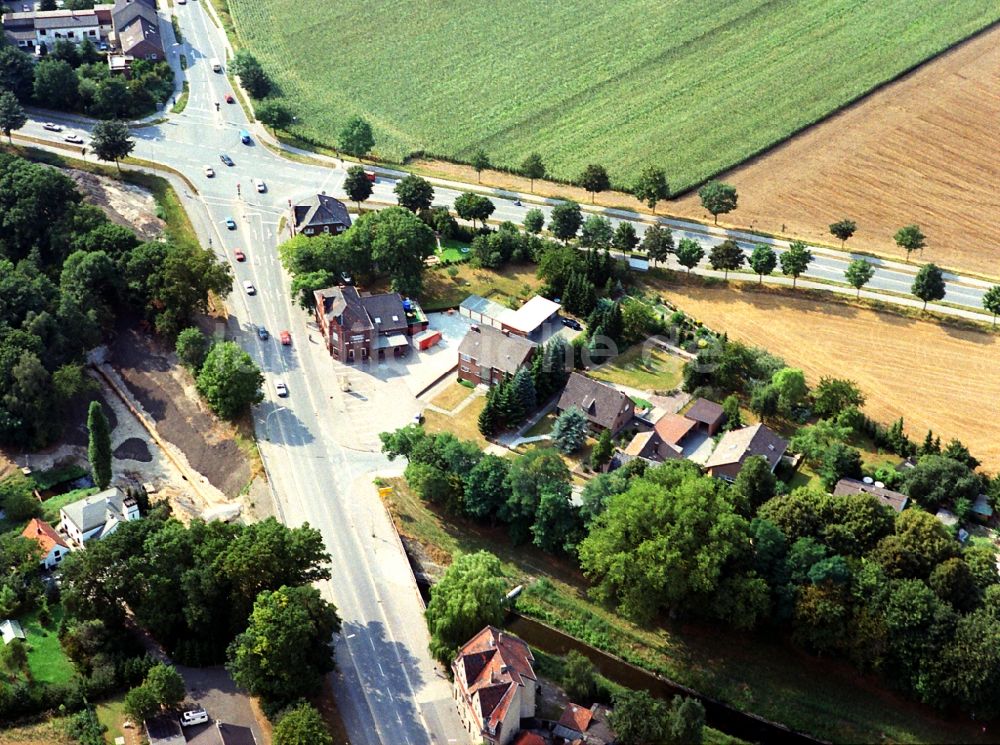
(53, 546)
(495, 685)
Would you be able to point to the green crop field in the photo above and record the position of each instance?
(693, 86)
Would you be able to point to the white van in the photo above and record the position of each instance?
(216, 65)
(197, 716)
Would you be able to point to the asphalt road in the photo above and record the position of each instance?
(388, 688)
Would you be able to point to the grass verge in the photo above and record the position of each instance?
(182, 99)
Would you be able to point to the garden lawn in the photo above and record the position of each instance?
(452, 396)
(694, 87)
(451, 251)
(464, 425)
(657, 370)
(48, 662)
(516, 284)
(756, 673)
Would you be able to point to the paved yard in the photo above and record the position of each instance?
(213, 689)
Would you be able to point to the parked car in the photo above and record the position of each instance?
(286, 338)
(229, 98)
(346, 278)
(240, 256)
(280, 388)
(75, 139)
(259, 185)
(231, 223)
(195, 716)
(226, 159)
(572, 323)
(209, 171)
(262, 333)
(250, 289)
(52, 127)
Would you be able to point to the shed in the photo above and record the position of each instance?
(11, 630)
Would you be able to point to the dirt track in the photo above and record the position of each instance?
(936, 377)
(922, 150)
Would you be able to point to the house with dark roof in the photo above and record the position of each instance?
(487, 355)
(737, 445)
(494, 685)
(888, 497)
(320, 214)
(97, 516)
(137, 29)
(53, 546)
(708, 414)
(220, 733)
(604, 406)
(358, 326)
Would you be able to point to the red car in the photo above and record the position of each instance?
(240, 256)
(230, 99)
(286, 338)
(370, 175)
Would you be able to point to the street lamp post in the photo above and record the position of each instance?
(267, 430)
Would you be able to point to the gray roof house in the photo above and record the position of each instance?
(604, 406)
(137, 28)
(97, 516)
(737, 445)
(320, 214)
(888, 497)
(487, 355)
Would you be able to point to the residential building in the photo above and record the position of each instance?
(739, 444)
(54, 548)
(982, 510)
(30, 29)
(582, 726)
(487, 355)
(97, 516)
(708, 414)
(221, 733)
(888, 497)
(530, 738)
(320, 214)
(604, 406)
(358, 326)
(534, 320)
(11, 630)
(137, 29)
(494, 686)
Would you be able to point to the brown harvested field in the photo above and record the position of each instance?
(922, 150)
(937, 377)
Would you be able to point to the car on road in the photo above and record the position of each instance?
(572, 323)
(75, 139)
(226, 159)
(259, 185)
(209, 172)
(193, 717)
(229, 98)
(52, 127)
(286, 338)
(240, 256)
(280, 388)
(231, 223)
(245, 137)
(370, 175)
(262, 333)
(248, 286)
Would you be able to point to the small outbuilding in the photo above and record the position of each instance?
(11, 630)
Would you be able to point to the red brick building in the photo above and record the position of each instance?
(357, 327)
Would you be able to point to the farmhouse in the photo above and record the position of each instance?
(495, 685)
(487, 355)
(604, 406)
(137, 29)
(54, 548)
(357, 326)
(320, 214)
(97, 516)
(888, 497)
(736, 446)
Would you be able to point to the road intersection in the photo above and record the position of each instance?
(388, 688)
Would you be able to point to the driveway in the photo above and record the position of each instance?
(213, 689)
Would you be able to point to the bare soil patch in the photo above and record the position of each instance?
(134, 449)
(125, 204)
(936, 377)
(922, 150)
(166, 392)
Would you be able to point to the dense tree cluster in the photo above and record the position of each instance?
(75, 77)
(392, 243)
(66, 273)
